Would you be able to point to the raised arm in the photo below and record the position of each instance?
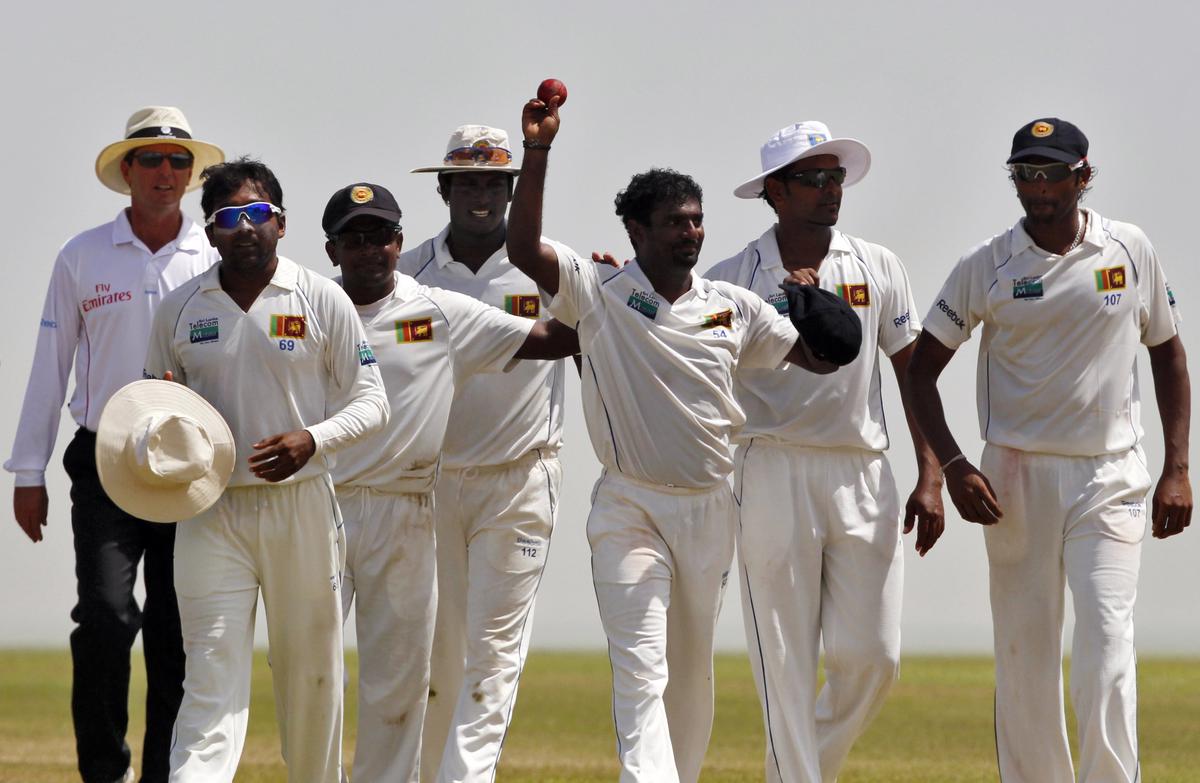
(970, 490)
(526, 251)
(1171, 507)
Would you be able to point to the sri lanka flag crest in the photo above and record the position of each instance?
(1111, 278)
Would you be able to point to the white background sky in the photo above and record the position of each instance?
(369, 91)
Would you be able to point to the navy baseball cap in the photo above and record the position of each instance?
(828, 325)
(361, 198)
(1050, 138)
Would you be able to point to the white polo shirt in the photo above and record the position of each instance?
(1057, 366)
(428, 342)
(792, 406)
(297, 360)
(104, 289)
(658, 376)
(497, 418)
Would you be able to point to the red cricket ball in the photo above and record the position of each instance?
(551, 87)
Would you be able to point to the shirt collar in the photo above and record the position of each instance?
(286, 274)
(1092, 235)
(190, 238)
(442, 257)
(768, 247)
(698, 284)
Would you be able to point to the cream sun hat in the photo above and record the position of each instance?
(155, 125)
(475, 148)
(804, 140)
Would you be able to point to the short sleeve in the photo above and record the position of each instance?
(483, 338)
(1158, 315)
(161, 356)
(899, 323)
(959, 306)
(578, 287)
(769, 336)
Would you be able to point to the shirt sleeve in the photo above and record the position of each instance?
(578, 287)
(960, 305)
(161, 355)
(1158, 314)
(483, 338)
(58, 337)
(356, 394)
(899, 324)
(769, 336)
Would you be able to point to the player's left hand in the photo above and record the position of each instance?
(608, 259)
(279, 456)
(1171, 507)
(924, 509)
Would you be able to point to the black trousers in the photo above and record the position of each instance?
(108, 546)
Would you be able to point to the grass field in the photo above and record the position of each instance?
(936, 726)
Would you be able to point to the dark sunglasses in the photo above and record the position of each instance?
(257, 213)
(152, 160)
(817, 178)
(1051, 172)
(377, 237)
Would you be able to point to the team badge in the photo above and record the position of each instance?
(855, 294)
(418, 331)
(1170, 296)
(723, 318)
(817, 138)
(524, 305)
(644, 303)
(366, 357)
(361, 194)
(206, 330)
(1111, 278)
(293, 327)
(1028, 288)
(1041, 129)
(779, 302)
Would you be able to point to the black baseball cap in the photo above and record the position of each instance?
(1049, 137)
(361, 198)
(829, 327)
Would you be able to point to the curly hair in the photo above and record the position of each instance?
(651, 188)
(223, 180)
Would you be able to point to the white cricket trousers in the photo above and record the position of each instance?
(1080, 520)
(285, 539)
(821, 560)
(391, 579)
(660, 560)
(493, 527)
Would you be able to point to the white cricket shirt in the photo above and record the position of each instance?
(104, 289)
(428, 342)
(658, 376)
(792, 406)
(297, 360)
(1057, 366)
(496, 418)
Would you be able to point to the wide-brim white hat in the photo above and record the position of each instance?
(474, 137)
(164, 454)
(804, 140)
(155, 125)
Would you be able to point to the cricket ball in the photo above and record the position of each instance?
(549, 88)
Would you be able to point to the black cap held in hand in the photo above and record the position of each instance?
(361, 198)
(825, 322)
(1049, 138)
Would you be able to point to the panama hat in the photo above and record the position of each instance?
(164, 454)
(475, 148)
(155, 125)
(804, 140)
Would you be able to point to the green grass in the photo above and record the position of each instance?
(936, 726)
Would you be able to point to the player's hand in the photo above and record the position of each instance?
(972, 493)
(608, 258)
(279, 456)
(168, 375)
(805, 276)
(30, 506)
(1171, 507)
(539, 121)
(924, 509)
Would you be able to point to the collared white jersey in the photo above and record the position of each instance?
(297, 360)
(792, 406)
(1057, 366)
(498, 418)
(658, 376)
(428, 342)
(104, 289)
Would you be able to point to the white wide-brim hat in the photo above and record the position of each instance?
(164, 454)
(474, 137)
(155, 125)
(804, 140)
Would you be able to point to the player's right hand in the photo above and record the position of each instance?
(805, 276)
(972, 493)
(30, 506)
(539, 121)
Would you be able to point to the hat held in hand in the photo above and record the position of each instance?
(828, 326)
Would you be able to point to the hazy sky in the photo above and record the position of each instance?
(328, 95)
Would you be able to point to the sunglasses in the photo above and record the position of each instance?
(152, 160)
(817, 178)
(378, 237)
(257, 213)
(476, 156)
(1050, 172)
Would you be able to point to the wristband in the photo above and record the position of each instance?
(951, 461)
(534, 145)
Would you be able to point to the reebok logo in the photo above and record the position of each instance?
(953, 316)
